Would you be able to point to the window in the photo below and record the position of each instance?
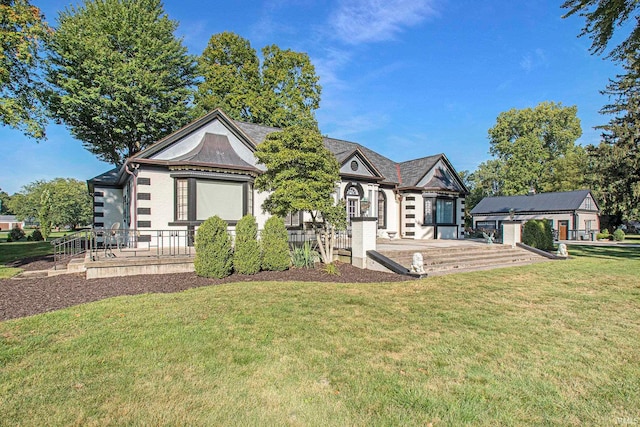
(587, 203)
(222, 198)
(439, 211)
(382, 209)
(182, 200)
(199, 199)
(444, 211)
(486, 225)
(428, 211)
(293, 219)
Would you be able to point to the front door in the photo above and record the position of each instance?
(563, 227)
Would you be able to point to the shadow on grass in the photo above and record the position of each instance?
(611, 252)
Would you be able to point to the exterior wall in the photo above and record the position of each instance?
(161, 201)
(576, 222)
(393, 215)
(413, 228)
(261, 215)
(112, 209)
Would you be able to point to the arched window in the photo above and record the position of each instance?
(382, 209)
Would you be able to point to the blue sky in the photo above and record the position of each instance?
(407, 78)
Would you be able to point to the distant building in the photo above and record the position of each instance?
(8, 222)
(573, 214)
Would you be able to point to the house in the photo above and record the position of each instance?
(8, 222)
(208, 168)
(573, 214)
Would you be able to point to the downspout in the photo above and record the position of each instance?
(134, 214)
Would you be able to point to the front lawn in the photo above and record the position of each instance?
(14, 251)
(549, 344)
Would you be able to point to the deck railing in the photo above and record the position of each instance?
(107, 242)
(71, 245)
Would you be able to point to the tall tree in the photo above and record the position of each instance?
(5, 201)
(602, 17)
(615, 163)
(283, 92)
(23, 34)
(301, 176)
(290, 88)
(122, 79)
(231, 72)
(534, 147)
(67, 202)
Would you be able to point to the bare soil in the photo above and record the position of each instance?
(29, 296)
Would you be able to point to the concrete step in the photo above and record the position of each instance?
(443, 260)
(472, 258)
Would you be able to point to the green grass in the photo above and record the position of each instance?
(29, 231)
(14, 251)
(549, 344)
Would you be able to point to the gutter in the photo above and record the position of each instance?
(134, 214)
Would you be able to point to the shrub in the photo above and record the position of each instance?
(537, 233)
(275, 245)
(618, 235)
(304, 256)
(37, 235)
(246, 256)
(15, 234)
(603, 235)
(213, 249)
(331, 269)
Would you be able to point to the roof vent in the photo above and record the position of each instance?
(532, 191)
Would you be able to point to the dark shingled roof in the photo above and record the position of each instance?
(107, 178)
(411, 172)
(215, 149)
(543, 202)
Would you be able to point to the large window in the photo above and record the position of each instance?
(222, 198)
(293, 220)
(439, 211)
(444, 211)
(199, 199)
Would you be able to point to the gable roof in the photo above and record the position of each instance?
(405, 174)
(542, 202)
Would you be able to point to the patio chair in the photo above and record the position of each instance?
(112, 237)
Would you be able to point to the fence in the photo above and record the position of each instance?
(103, 242)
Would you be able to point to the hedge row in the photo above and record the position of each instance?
(215, 256)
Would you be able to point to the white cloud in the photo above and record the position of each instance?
(363, 21)
(535, 59)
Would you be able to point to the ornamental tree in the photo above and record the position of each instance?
(301, 176)
(121, 78)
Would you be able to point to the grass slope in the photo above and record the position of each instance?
(553, 343)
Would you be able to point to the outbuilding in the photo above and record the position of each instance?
(574, 215)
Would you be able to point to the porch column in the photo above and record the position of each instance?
(511, 232)
(363, 239)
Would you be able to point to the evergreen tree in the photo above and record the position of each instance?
(121, 78)
(246, 254)
(615, 163)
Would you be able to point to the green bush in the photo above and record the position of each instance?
(246, 256)
(603, 235)
(37, 235)
(537, 233)
(275, 245)
(15, 234)
(618, 235)
(304, 256)
(213, 249)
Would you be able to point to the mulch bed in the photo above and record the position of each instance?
(26, 297)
